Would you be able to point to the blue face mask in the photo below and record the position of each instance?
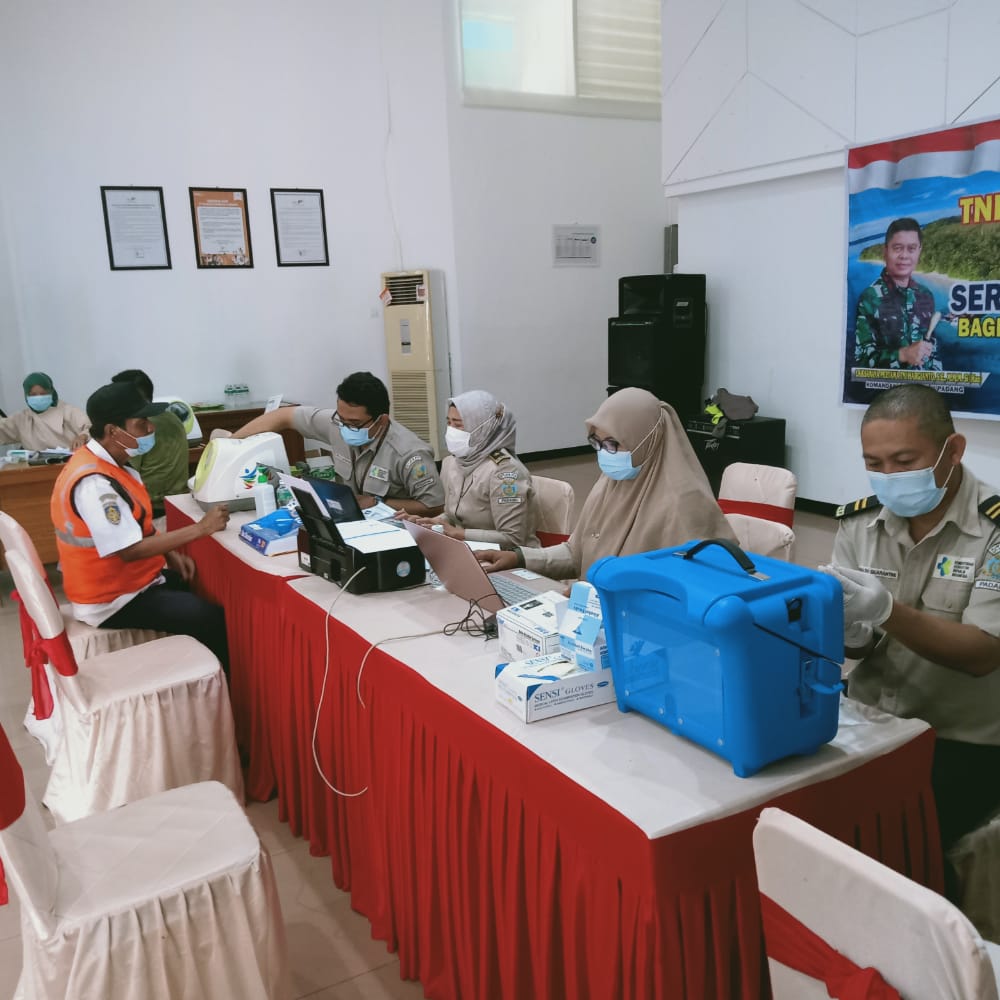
(909, 494)
(356, 437)
(617, 465)
(39, 403)
(143, 444)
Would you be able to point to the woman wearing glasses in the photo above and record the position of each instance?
(653, 493)
(487, 491)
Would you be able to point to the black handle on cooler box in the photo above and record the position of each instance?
(731, 547)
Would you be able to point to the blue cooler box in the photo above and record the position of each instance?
(735, 651)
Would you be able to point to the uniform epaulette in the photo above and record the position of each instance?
(500, 455)
(990, 508)
(857, 506)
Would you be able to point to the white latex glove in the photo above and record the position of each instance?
(858, 635)
(865, 596)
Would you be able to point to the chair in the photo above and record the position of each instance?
(818, 895)
(554, 503)
(976, 860)
(43, 719)
(759, 504)
(169, 896)
(136, 721)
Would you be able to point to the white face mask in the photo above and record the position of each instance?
(457, 441)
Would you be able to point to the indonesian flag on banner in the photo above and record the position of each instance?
(956, 152)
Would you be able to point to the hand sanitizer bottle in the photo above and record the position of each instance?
(263, 495)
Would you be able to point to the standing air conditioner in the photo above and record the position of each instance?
(416, 346)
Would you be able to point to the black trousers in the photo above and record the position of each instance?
(966, 782)
(171, 607)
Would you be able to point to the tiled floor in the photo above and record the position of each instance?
(332, 954)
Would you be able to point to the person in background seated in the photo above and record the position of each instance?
(118, 571)
(47, 423)
(920, 566)
(487, 491)
(653, 493)
(377, 457)
(164, 467)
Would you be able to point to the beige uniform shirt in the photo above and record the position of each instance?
(954, 573)
(400, 467)
(55, 428)
(494, 502)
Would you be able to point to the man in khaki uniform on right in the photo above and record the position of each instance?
(920, 566)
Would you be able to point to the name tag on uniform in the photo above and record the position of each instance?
(887, 574)
(960, 568)
(377, 472)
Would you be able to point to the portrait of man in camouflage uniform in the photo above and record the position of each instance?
(894, 312)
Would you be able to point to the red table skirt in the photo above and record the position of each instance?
(255, 604)
(495, 876)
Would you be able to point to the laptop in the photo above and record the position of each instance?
(462, 574)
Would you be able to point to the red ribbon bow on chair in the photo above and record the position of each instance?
(38, 652)
(791, 943)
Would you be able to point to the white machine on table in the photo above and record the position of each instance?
(227, 470)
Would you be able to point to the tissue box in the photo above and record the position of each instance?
(544, 686)
(531, 628)
(581, 631)
(274, 534)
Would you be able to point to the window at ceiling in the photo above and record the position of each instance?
(582, 56)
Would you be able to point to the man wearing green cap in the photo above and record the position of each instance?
(47, 422)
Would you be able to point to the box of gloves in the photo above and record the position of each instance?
(581, 630)
(531, 627)
(541, 687)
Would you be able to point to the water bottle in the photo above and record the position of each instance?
(284, 496)
(263, 495)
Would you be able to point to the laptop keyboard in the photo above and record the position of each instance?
(511, 591)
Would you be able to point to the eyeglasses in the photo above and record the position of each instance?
(352, 425)
(609, 445)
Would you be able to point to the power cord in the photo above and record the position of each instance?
(477, 622)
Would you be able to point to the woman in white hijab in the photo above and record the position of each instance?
(653, 493)
(487, 490)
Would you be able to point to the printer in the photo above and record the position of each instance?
(336, 542)
(227, 470)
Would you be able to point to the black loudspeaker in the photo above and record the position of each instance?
(760, 441)
(658, 340)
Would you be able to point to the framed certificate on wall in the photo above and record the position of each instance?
(136, 228)
(221, 227)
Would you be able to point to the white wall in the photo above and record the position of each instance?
(534, 334)
(360, 99)
(234, 92)
(753, 155)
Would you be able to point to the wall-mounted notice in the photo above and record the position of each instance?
(221, 227)
(576, 246)
(136, 228)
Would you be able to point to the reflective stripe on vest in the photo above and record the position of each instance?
(87, 577)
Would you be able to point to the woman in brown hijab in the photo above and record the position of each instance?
(652, 495)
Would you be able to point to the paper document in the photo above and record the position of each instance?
(374, 536)
(379, 511)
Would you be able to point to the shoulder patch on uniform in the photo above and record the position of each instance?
(500, 455)
(990, 508)
(857, 506)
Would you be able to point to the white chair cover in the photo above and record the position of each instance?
(921, 944)
(136, 721)
(766, 538)
(554, 504)
(171, 896)
(766, 532)
(767, 484)
(86, 640)
(976, 859)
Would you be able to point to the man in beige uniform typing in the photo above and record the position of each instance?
(376, 456)
(920, 567)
